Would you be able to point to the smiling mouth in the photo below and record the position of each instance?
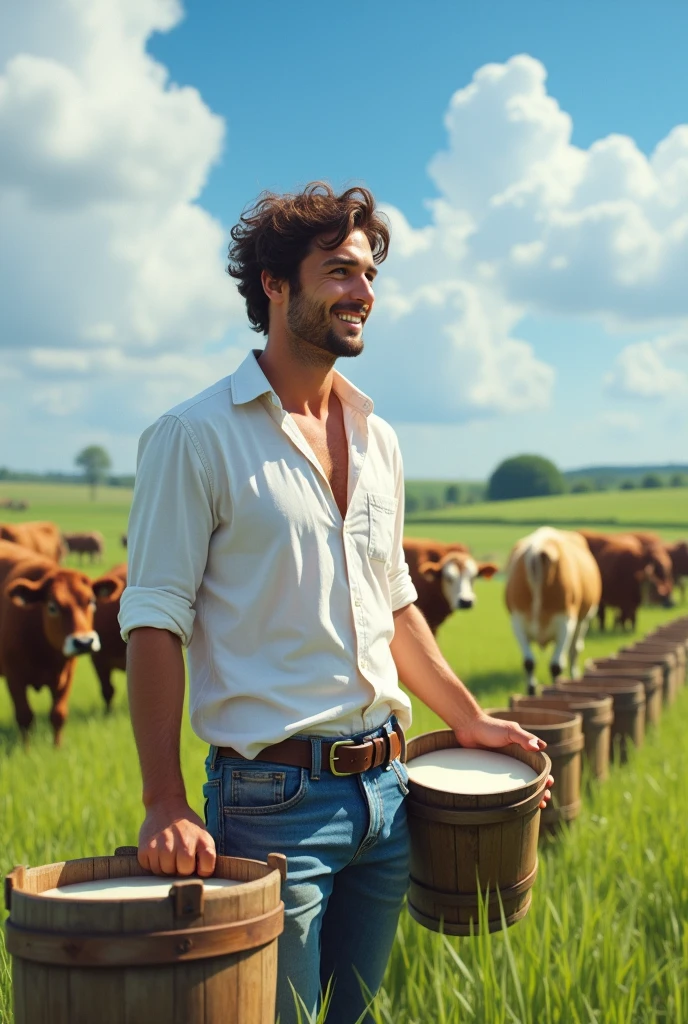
(351, 318)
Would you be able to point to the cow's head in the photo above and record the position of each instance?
(455, 574)
(658, 570)
(67, 604)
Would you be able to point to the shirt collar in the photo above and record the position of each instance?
(249, 382)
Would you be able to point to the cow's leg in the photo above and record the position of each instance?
(58, 715)
(601, 616)
(564, 630)
(22, 710)
(104, 674)
(519, 626)
(578, 642)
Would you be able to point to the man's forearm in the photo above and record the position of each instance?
(425, 672)
(155, 679)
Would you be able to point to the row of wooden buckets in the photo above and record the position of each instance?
(474, 858)
(204, 957)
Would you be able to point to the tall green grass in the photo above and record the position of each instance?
(605, 941)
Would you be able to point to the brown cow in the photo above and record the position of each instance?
(44, 538)
(443, 575)
(552, 592)
(92, 544)
(632, 568)
(46, 620)
(113, 650)
(678, 553)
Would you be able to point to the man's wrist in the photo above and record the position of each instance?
(153, 798)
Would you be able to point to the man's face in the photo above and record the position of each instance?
(335, 297)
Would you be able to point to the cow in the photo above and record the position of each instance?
(678, 553)
(46, 621)
(443, 575)
(553, 589)
(632, 568)
(44, 538)
(91, 544)
(113, 650)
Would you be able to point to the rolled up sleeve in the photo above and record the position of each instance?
(401, 586)
(170, 526)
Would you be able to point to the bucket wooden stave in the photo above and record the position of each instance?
(668, 645)
(597, 713)
(194, 957)
(667, 660)
(629, 708)
(465, 847)
(562, 731)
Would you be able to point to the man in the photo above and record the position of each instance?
(266, 534)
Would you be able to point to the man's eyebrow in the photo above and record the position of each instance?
(348, 261)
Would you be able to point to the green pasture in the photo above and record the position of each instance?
(662, 509)
(606, 940)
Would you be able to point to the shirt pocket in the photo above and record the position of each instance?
(382, 511)
(264, 789)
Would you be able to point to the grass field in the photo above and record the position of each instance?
(606, 940)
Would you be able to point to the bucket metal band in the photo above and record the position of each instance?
(474, 816)
(138, 949)
(421, 892)
(570, 746)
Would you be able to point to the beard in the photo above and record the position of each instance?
(310, 325)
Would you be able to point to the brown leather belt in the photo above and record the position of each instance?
(341, 757)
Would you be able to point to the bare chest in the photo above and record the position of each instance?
(330, 447)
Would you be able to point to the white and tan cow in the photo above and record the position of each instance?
(553, 589)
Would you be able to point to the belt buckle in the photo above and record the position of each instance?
(339, 743)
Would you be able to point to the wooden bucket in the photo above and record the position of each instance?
(666, 645)
(562, 731)
(651, 676)
(628, 699)
(597, 714)
(667, 660)
(465, 848)
(194, 956)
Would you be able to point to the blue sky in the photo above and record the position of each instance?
(533, 159)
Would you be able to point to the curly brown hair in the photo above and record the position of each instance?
(277, 233)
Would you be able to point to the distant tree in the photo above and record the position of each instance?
(524, 476)
(431, 501)
(452, 495)
(627, 485)
(581, 487)
(678, 480)
(94, 462)
(411, 504)
(652, 480)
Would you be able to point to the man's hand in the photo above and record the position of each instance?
(174, 841)
(484, 731)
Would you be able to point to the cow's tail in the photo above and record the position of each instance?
(540, 562)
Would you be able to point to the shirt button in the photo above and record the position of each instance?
(357, 602)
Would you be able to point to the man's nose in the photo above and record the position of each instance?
(363, 290)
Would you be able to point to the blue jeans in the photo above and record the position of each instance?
(346, 843)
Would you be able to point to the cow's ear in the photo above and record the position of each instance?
(487, 569)
(108, 588)
(430, 570)
(23, 591)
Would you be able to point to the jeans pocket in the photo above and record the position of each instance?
(262, 788)
(382, 509)
(402, 774)
(212, 811)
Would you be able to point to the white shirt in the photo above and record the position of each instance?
(236, 544)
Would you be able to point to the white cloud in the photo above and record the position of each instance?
(641, 370)
(101, 160)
